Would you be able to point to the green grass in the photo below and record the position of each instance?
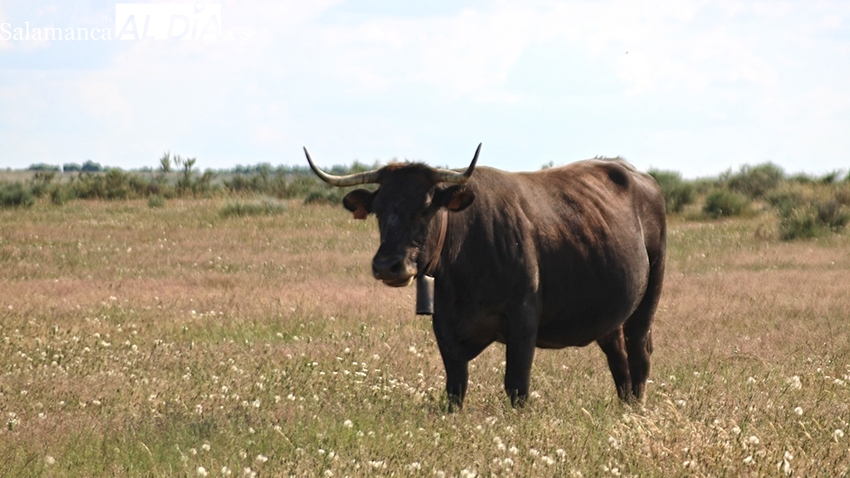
(142, 341)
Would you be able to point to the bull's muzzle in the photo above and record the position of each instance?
(392, 270)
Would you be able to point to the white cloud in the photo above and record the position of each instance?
(741, 81)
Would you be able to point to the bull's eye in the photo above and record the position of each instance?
(422, 212)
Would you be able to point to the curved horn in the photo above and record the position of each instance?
(366, 177)
(449, 176)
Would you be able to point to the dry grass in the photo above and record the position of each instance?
(176, 342)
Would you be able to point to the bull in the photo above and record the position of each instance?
(554, 258)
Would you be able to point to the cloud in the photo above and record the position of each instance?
(741, 81)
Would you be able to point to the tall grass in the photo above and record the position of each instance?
(265, 207)
(171, 341)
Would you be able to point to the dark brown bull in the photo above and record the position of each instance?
(554, 258)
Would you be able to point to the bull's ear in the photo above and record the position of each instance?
(359, 202)
(455, 198)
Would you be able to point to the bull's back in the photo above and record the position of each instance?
(592, 229)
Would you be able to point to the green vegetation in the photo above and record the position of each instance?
(677, 192)
(155, 200)
(16, 195)
(175, 177)
(754, 181)
(723, 203)
(796, 207)
(266, 207)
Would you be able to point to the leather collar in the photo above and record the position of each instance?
(441, 239)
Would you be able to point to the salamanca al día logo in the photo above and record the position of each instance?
(168, 21)
(134, 21)
(27, 33)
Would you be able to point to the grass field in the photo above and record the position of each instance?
(178, 341)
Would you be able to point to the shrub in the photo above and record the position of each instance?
(91, 167)
(842, 195)
(832, 215)
(265, 207)
(40, 182)
(155, 200)
(722, 203)
(677, 193)
(756, 181)
(786, 199)
(800, 223)
(115, 184)
(59, 194)
(16, 195)
(43, 167)
(329, 196)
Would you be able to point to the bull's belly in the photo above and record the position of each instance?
(588, 312)
(571, 331)
(566, 328)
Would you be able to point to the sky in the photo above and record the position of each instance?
(692, 86)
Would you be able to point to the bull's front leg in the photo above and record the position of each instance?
(457, 379)
(520, 344)
(456, 353)
(455, 358)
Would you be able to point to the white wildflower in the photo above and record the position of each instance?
(202, 471)
(785, 464)
(261, 459)
(49, 460)
(347, 424)
(837, 434)
(795, 383)
(798, 410)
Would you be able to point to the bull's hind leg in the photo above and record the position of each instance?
(637, 330)
(614, 346)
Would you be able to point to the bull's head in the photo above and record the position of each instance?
(406, 203)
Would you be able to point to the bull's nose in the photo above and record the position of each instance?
(391, 270)
(386, 267)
